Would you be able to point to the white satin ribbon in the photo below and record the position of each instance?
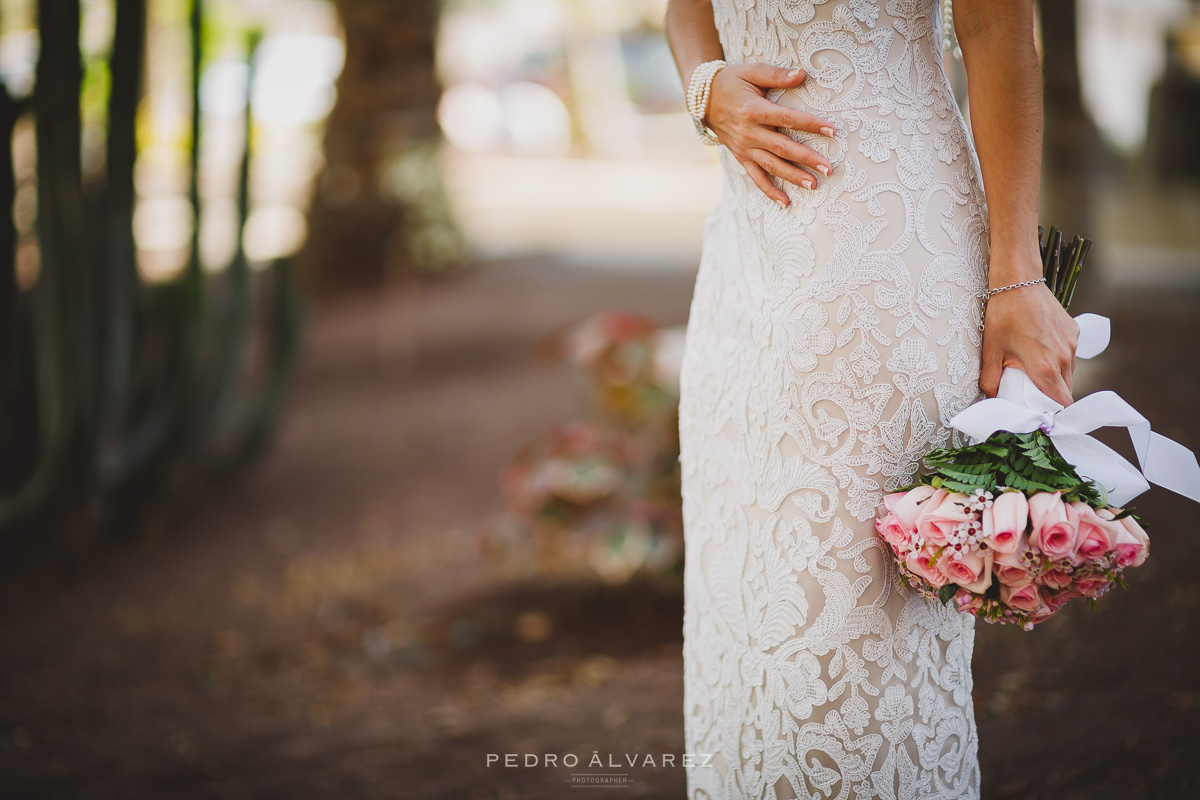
(1020, 407)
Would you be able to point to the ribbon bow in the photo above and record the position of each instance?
(1020, 407)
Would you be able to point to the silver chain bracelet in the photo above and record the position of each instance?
(990, 292)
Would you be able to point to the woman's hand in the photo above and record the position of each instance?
(746, 122)
(1029, 329)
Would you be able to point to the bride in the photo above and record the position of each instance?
(837, 323)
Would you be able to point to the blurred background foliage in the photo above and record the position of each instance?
(600, 497)
(158, 179)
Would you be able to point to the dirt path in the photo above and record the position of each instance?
(325, 629)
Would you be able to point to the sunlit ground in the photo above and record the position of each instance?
(601, 212)
(327, 628)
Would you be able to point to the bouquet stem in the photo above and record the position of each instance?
(1061, 265)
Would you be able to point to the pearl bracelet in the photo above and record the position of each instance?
(699, 88)
(949, 37)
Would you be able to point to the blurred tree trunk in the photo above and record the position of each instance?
(1072, 152)
(380, 193)
(1170, 155)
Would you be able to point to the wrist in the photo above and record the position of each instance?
(1008, 269)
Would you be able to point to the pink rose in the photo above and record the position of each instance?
(1135, 530)
(1041, 614)
(941, 513)
(906, 505)
(1092, 586)
(894, 532)
(1128, 550)
(1055, 525)
(1048, 606)
(967, 601)
(970, 569)
(1005, 521)
(1133, 545)
(1056, 579)
(1096, 535)
(922, 563)
(1011, 568)
(1020, 598)
(984, 581)
(1060, 598)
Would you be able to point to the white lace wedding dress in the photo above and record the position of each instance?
(827, 347)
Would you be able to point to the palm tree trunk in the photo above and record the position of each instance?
(386, 109)
(1072, 153)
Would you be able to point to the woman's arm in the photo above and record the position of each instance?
(1025, 328)
(739, 113)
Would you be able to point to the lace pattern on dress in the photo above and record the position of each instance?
(827, 347)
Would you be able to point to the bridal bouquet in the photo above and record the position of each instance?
(1009, 532)
(1032, 515)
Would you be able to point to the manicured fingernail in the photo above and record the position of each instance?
(781, 204)
(809, 183)
(796, 73)
(823, 169)
(827, 131)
